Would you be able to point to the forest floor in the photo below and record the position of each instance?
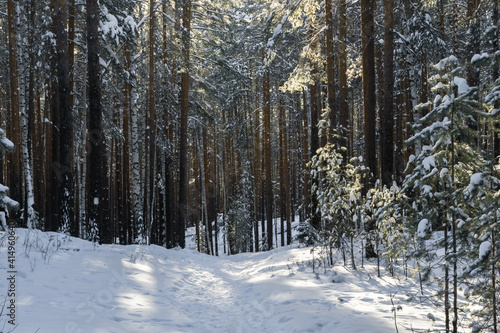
(66, 284)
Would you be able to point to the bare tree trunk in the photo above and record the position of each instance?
(257, 176)
(183, 167)
(494, 279)
(304, 159)
(151, 129)
(136, 230)
(284, 179)
(62, 174)
(314, 91)
(98, 171)
(368, 72)
(26, 117)
(71, 51)
(13, 123)
(330, 71)
(343, 91)
(495, 74)
(267, 157)
(387, 115)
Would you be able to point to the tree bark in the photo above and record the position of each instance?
(266, 95)
(62, 129)
(257, 175)
(474, 43)
(151, 129)
(13, 123)
(495, 74)
(368, 73)
(98, 198)
(387, 115)
(343, 91)
(330, 72)
(183, 167)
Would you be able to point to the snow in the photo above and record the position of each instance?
(484, 249)
(478, 57)
(462, 85)
(424, 227)
(70, 285)
(111, 26)
(3, 188)
(475, 180)
(12, 204)
(429, 162)
(427, 189)
(7, 144)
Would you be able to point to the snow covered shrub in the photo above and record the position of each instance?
(438, 176)
(307, 235)
(481, 273)
(392, 226)
(339, 196)
(240, 218)
(6, 203)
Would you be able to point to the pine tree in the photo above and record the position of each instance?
(438, 176)
(339, 197)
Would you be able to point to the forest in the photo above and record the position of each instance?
(369, 122)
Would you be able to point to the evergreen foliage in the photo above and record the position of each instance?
(240, 217)
(6, 203)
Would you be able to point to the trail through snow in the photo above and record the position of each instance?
(67, 285)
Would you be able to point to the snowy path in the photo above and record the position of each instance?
(150, 289)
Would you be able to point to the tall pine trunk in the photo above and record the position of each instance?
(183, 167)
(369, 83)
(149, 216)
(13, 123)
(314, 91)
(98, 197)
(268, 189)
(343, 89)
(387, 121)
(62, 120)
(330, 71)
(26, 112)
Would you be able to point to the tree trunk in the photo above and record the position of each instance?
(330, 71)
(151, 129)
(304, 159)
(62, 174)
(13, 123)
(257, 170)
(26, 111)
(369, 83)
(98, 198)
(495, 74)
(387, 115)
(494, 279)
(474, 43)
(71, 51)
(183, 166)
(266, 95)
(343, 91)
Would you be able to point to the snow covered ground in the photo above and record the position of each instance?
(67, 285)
